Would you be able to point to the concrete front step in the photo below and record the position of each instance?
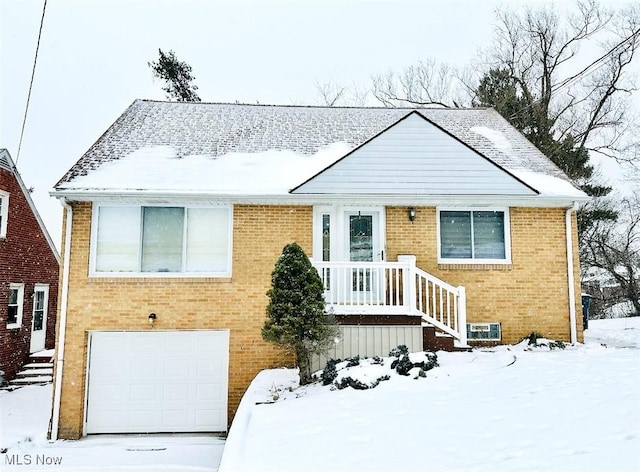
(41, 379)
(38, 371)
(45, 356)
(35, 372)
(38, 365)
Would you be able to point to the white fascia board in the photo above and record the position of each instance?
(319, 199)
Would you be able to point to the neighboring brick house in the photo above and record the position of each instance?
(29, 265)
(445, 218)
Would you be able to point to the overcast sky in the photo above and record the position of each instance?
(93, 56)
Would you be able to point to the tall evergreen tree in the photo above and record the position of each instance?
(177, 77)
(499, 90)
(296, 314)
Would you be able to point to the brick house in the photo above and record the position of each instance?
(428, 219)
(29, 265)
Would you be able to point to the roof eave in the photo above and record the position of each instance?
(547, 201)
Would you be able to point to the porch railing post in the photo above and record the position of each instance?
(408, 281)
(462, 315)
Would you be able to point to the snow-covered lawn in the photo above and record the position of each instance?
(504, 409)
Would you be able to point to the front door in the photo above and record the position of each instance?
(363, 245)
(355, 235)
(39, 318)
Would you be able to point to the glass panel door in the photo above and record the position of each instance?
(363, 245)
(361, 250)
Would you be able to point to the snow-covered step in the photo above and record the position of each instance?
(32, 380)
(35, 372)
(38, 365)
(47, 353)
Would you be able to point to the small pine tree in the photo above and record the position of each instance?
(177, 77)
(296, 314)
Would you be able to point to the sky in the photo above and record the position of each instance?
(92, 61)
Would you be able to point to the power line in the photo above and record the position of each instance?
(594, 66)
(33, 73)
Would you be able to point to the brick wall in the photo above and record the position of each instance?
(529, 294)
(26, 258)
(237, 303)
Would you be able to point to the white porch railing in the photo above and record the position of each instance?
(394, 288)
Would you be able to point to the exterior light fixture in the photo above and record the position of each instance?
(412, 214)
(152, 318)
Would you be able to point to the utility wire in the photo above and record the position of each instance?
(33, 73)
(594, 66)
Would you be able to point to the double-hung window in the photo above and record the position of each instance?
(474, 236)
(4, 213)
(14, 308)
(130, 240)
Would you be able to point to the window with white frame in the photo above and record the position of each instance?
(162, 239)
(16, 302)
(477, 236)
(4, 213)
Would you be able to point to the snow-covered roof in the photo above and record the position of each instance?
(236, 149)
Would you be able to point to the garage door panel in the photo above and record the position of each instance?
(203, 417)
(158, 381)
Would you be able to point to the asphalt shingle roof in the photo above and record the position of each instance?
(215, 129)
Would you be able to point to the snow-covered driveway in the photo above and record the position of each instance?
(24, 417)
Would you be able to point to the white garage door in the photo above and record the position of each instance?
(157, 381)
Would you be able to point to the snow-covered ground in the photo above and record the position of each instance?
(511, 408)
(24, 419)
(504, 409)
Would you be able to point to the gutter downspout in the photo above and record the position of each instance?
(570, 277)
(57, 394)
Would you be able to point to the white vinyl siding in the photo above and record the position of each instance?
(414, 157)
(4, 213)
(475, 236)
(161, 240)
(369, 341)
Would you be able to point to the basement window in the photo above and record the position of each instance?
(483, 331)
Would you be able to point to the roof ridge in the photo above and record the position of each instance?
(275, 105)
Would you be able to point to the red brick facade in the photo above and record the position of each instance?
(26, 257)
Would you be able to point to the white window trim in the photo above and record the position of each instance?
(337, 214)
(45, 309)
(172, 275)
(18, 323)
(4, 213)
(507, 237)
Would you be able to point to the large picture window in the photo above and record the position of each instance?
(155, 239)
(474, 235)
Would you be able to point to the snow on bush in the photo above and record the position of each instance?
(365, 373)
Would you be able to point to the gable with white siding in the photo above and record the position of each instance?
(414, 157)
